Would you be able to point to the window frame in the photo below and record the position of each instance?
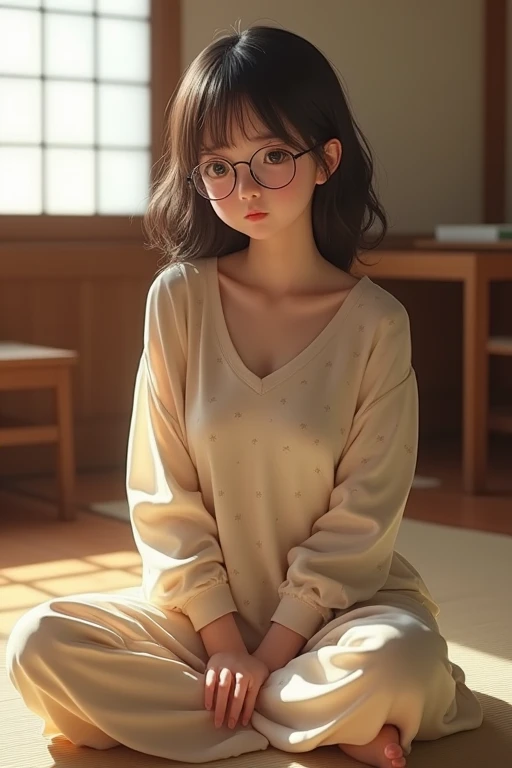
(165, 63)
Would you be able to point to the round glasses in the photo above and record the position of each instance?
(271, 167)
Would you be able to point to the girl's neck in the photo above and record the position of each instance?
(286, 264)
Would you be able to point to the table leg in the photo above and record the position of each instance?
(475, 382)
(66, 448)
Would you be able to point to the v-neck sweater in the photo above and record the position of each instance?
(277, 498)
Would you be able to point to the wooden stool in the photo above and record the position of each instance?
(26, 366)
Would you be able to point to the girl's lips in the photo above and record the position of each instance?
(256, 216)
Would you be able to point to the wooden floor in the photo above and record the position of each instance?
(41, 557)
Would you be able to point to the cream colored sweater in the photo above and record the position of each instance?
(278, 498)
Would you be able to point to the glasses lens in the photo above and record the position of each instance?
(273, 167)
(214, 179)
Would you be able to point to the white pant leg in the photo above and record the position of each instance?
(105, 670)
(374, 665)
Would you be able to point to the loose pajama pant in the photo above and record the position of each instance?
(110, 669)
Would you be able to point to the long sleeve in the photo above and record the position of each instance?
(177, 537)
(348, 556)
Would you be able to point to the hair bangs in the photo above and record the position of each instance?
(231, 102)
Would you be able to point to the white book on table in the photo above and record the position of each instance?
(475, 233)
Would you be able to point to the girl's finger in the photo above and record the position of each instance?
(249, 704)
(209, 688)
(223, 689)
(237, 700)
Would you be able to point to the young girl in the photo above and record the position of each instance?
(271, 454)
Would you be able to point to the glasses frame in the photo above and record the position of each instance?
(190, 177)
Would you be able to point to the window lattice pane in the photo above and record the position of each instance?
(22, 3)
(20, 180)
(138, 8)
(123, 50)
(69, 45)
(124, 179)
(69, 110)
(124, 115)
(75, 111)
(69, 5)
(20, 111)
(20, 42)
(69, 175)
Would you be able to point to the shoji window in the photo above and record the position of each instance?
(75, 112)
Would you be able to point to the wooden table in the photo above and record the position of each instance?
(476, 270)
(26, 366)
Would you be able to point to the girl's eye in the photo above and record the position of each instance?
(215, 169)
(276, 156)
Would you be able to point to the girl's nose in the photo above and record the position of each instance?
(248, 188)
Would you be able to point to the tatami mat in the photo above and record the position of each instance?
(470, 576)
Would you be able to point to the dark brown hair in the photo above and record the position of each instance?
(286, 81)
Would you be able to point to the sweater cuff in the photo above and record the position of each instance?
(209, 605)
(298, 616)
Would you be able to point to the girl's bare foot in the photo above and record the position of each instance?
(383, 752)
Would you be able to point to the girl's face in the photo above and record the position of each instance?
(283, 206)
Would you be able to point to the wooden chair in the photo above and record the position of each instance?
(26, 366)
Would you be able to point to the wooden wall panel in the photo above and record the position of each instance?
(116, 331)
(495, 110)
(99, 315)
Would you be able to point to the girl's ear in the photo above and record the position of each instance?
(333, 152)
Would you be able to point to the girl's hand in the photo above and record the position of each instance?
(236, 678)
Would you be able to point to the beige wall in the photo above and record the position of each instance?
(413, 73)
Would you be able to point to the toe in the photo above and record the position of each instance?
(400, 763)
(393, 751)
